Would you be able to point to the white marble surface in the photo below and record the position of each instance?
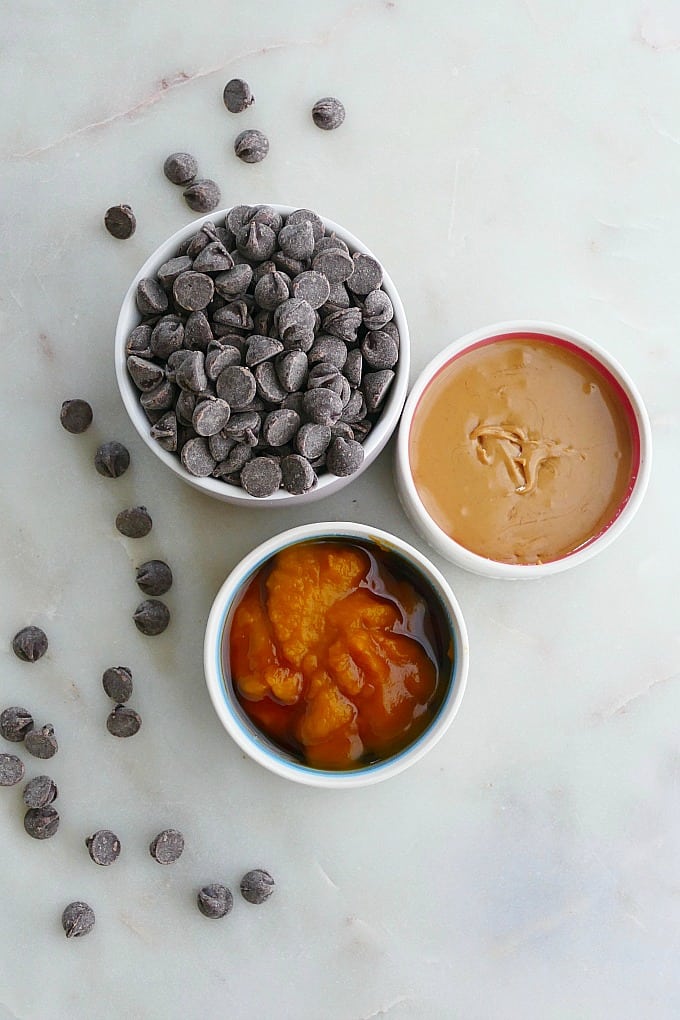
(509, 158)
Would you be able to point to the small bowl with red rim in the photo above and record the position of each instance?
(524, 449)
(435, 601)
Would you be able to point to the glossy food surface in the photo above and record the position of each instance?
(336, 655)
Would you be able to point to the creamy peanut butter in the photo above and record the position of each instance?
(521, 449)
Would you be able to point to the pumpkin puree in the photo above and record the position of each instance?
(333, 656)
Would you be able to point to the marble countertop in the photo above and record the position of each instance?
(511, 159)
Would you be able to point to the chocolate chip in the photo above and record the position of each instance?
(120, 221)
(355, 408)
(236, 217)
(154, 578)
(134, 522)
(268, 386)
(77, 919)
(256, 241)
(377, 310)
(296, 240)
(40, 792)
(335, 264)
(167, 336)
(210, 416)
(167, 846)
(297, 474)
(152, 616)
(234, 315)
(379, 350)
(123, 721)
(184, 409)
(367, 274)
(214, 258)
(312, 440)
(41, 743)
(251, 146)
(353, 367)
(170, 270)
(191, 372)
(15, 723)
(219, 357)
(75, 416)
(343, 324)
(117, 683)
(41, 823)
(160, 398)
(180, 168)
(261, 477)
(11, 769)
(375, 387)
(139, 341)
(280, 426)
(291, 369)
(237, 386)
(238, 456)
(30, 644)
(103, 847)
(145, 374)
(261, 348)
(193, 291)
(257, 886)
(197, 332)
(313, 287)
(112, 460)
(328, 113)
(322, 406)
(151, 298)
(237, 95)
(215, 900)
(202, 196)
(234, 282)
(344, 457)
(165, 431)
(308, 216)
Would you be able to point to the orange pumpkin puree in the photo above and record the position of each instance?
(334, 655)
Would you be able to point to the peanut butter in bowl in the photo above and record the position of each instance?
(522, 449)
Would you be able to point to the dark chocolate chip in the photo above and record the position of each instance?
(11, 770)
(297, 474)
(214, 900)
(251, 146)
(15, 723)
(260, 477)
(103, 847)
(30, 644)
(120, 221)
(41, 743)
(154, 578)
(328, 113)
(117, 683)
(123, 722)
(41, 823)
(237, 95)
(77, 919)
(167, 846)
(257, 886)
(180, 168)
(134, 522)
(151, 617)
(40, 792)
(112, 460)
(344, 457)
(75, 416)
(202, 196)
(151, 298)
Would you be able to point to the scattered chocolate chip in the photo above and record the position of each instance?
(117, 683)
(41, 743)
(123, 722)
(167, 846)
(180, 168)
(215, 900)
(154, 578)
(237, 95)
(41, 823)
(257, 886)
(251, 146)
(202, 196)
(77, 919)
(120, 221)
(151, 617)
(15, 723)
(112, 460)
(103, 847)
(11, 769)
(134, 522)
(30, 644)
(328, 113)
(75, 416)
(39, 792)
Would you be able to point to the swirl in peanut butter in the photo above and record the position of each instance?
(521, 450)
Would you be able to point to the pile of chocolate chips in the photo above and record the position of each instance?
(265, 351)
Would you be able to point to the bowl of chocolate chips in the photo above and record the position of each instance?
(262, 353)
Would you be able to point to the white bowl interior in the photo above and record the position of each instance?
(129, 317)
(447, 546)
(250, 738)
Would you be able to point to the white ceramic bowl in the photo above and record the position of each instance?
(250, 739)
(642, 453)
(129, 317)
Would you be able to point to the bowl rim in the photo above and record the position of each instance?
(474, 562)
(250, 739)
(327, 483)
